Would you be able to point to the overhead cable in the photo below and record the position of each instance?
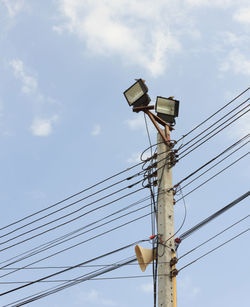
(213, 216)
(213, 237)
(215, 113)
(212, 250)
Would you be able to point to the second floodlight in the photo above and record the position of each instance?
(136, 95)
(167, 109)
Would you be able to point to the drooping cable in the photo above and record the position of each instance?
(213, 237)
(70, 247)
(212, 250)
(214, 215)
(215, 113)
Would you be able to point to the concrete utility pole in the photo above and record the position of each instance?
(165, 225)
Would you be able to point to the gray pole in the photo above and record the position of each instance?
(165, 226)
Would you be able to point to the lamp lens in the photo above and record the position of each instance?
(134, 93)
(165, 106)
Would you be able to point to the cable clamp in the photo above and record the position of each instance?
(173, 261)
(174, 273)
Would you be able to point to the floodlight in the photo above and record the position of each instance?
(137, 95)
(167, 109)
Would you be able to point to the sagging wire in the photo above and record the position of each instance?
(150, 172)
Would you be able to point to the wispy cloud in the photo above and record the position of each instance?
(237, 62)
(29, 81)
(147, 287)
(13, 7)
(140, 33)
(96, 130)
(43, 126)
(95, 297)
(243, 15)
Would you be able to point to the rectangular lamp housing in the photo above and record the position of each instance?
(137, 95)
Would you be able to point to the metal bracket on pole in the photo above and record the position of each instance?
(156, 120)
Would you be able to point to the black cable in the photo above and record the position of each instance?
(73, 195)
(213, 159)
(212, 250)
(213, 237)
(220, 161)
(230, 112)
(222, 108)
(72, 267)
(69, 221)
(82, 242)
(82, 233)
(47, 245)
(73, 203)
(213, 216)
(211, 136)
(206, 181)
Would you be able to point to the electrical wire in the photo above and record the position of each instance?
(229, 113)
(47, 245)
(214, 215)
(73, 267)
(215, 113)
(213, 237)
(212, 177)
(69, 221)
(94, 228)
(210, 168)
(211, 136)
(75, 202)
(73, 195)
(212, 250)
(213, 159)
(70, 247)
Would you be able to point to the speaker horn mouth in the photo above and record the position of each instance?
(144, 256)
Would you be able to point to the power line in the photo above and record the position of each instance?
(69, 221)
(70, 247)
(213, 216)
(215, 113)
(74, 267)
(66, 240)
(220, 161)
(230, 112)
(212, 250)
(213, 159)
(48, 244)
(212, 177)
(73, 195)
(213, 237)
(75, 202)
(211, 136)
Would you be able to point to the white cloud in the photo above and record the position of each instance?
(95, 297)
(147, 287)
(237, 62)
(42, 126)
(13, 7)
(145, 34)
(136, 157)
(29, 82)
(126, 28)
(138, 123)
(241, 127)
(96, 130)
(243, 15)
(188, 288)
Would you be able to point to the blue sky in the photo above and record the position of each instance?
(64, 125)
